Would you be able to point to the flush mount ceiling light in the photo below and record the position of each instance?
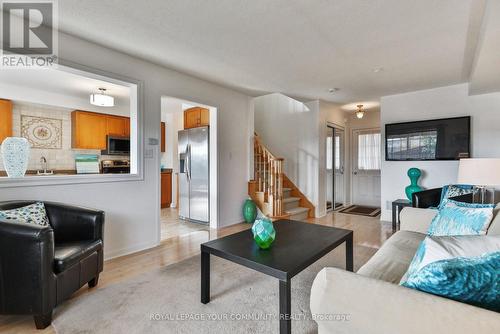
(360, 112)
(333, 90)
(101, 99)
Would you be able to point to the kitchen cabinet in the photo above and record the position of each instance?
(89, 129)
(162, 137)
(166, 188)
(117, 126)
(5, 119)
(196, 117)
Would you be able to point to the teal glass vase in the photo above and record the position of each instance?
(249, 211)
(263, 233)
(414, 174)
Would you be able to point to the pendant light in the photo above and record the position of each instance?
(101, 99)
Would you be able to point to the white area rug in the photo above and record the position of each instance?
(168, 300)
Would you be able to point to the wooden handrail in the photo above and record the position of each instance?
(268, 170)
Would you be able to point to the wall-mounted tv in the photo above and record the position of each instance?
(437, 139)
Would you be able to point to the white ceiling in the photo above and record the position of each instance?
(297, 47)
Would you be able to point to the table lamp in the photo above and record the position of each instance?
(480, 172)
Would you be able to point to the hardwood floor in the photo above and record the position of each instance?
(183, 241)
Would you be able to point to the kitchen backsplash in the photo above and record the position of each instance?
(57, 159)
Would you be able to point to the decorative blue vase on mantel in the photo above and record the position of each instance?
(15, 156)
(414, 174)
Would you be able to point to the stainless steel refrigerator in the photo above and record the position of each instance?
(194, 175)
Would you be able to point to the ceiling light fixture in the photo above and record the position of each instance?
(378, 69)
(101, 99)
(360, 112)
(333, 90)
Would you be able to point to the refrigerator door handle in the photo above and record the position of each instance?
(188, 161)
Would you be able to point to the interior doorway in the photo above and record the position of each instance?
(188, 167)
(335, 167)
(366, 161)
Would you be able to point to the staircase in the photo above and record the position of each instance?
(273, 192)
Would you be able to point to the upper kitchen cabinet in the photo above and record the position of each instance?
(196, 117)
(118, 126)
(89, 130)
(162, 136)
(5, 119)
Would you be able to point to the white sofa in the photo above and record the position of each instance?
(374, 303)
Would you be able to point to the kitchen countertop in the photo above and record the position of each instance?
(56, 172)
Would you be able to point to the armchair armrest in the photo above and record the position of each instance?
(378, 307)
(27, 280)
(427, 198)
(73, 223)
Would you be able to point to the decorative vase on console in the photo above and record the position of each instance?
(414, 174)
(15, 155)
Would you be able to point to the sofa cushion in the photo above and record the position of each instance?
(393, 258)
(68, 254)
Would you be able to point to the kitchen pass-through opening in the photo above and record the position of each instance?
(68, 125)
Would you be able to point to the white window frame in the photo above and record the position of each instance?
(136, 136)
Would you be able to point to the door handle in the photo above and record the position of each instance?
(355, 172)
(188, 161)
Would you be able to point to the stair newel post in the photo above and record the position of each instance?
(279, 182)
(264, 165)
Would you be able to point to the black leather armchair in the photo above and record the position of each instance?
(432, 198)
(40, 266)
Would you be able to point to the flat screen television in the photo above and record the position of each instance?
(437, 139)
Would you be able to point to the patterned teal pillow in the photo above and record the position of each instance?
(31, 214)
(434, 248)
(474, 281)
(457, 218)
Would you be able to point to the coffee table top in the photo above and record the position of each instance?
(297, 246)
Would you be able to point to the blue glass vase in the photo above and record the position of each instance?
(15, 156)
(414, 174)
(263, 232)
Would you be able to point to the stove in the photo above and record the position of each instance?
(115, 166)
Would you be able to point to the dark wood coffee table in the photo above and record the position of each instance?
(296, 247)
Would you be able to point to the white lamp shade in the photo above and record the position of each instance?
(102, 100)
(479, 172)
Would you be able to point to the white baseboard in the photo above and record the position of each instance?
(108, 255)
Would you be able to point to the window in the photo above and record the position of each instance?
(369, 151)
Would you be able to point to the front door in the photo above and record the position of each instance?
(366, 167)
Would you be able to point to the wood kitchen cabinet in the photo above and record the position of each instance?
(5, 119)
(89, 129)
(196, 117)
(166, 189)
(162, 136)
(117, 126)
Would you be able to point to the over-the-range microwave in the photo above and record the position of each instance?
(116, 145)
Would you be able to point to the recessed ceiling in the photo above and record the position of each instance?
(296, 47)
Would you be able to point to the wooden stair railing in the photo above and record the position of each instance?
(268, 171)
